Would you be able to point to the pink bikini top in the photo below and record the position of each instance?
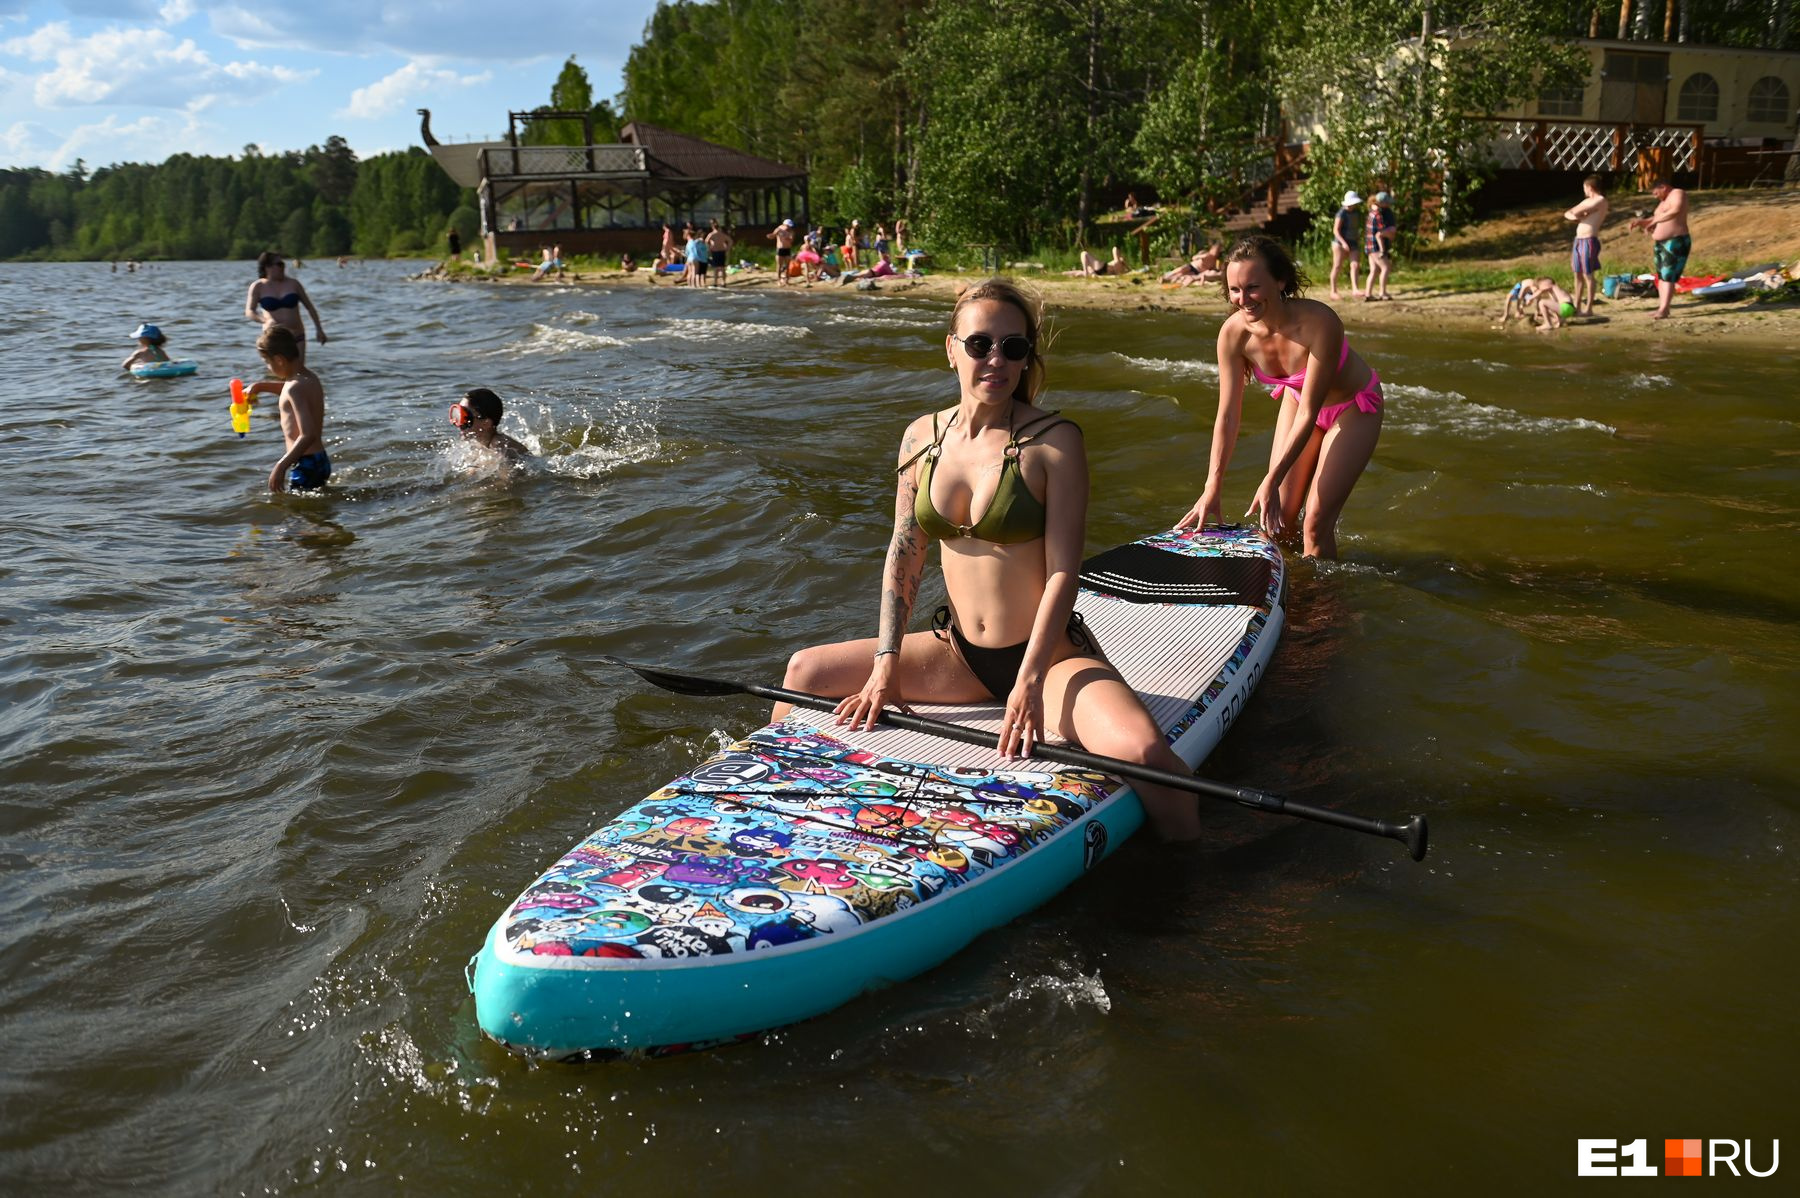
(1296, 381)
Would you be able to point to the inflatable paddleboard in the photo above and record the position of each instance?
(165, 370)
(806, 864)
(1730, 289)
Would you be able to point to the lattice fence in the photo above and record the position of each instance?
(562, 161)
(1586, 146)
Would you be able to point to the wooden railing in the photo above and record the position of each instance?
(1554, 144)
(560, 162)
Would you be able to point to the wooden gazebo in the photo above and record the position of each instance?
(606, 199)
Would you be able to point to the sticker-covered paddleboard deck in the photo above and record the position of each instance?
(805, 864)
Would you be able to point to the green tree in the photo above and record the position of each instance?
(1039, 118)
(332, 234)
(1403, 115)
(332, 169)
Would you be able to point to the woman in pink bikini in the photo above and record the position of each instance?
(1330, 398)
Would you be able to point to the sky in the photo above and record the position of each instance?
(112, 81)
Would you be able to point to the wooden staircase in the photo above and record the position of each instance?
(1259, 217)
(1271, 203)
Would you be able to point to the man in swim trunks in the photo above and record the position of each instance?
(718, 244)
(1584, 255)
(783, 237)
(1668, 228)
(305, 466)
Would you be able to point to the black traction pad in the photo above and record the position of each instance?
(1146, 574)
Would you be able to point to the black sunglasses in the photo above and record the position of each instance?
(1013, 347)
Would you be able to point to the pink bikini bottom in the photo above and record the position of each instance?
(1366, 400)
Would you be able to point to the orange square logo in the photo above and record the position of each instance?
(1681, 1158)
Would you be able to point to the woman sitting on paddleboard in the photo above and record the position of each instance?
(1010, 631)
(1330, 398)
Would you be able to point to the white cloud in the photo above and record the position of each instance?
(109, 140)
(141, 67)
(601, 30)
(176, 11)
(386, 95)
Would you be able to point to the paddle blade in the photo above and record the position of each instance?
(681, 684)
(1418, 837)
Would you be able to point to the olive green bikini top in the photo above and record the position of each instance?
(1014, 515)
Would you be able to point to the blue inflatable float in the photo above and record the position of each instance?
(164, 370)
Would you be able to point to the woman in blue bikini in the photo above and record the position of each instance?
(1330, 398)
(1009, 631)
(275, 299)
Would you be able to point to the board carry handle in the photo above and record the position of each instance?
(1414, 833)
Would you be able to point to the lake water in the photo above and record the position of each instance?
(271, 765)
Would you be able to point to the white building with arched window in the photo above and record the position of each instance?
(1717, 114)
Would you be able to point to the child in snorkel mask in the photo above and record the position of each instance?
(478, 415)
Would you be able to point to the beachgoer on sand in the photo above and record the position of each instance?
(1344, 243)
(783, 237)
(718, 245)
(1380, 246)
(1091, 265)
(1203, 267)
(1668, 228)
(1584, 253)
(1540, 298)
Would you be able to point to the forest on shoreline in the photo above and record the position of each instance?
(317, 203)
(1015, 122)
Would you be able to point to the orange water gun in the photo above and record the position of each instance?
(240, 407)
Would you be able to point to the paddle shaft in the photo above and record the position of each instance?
(1411, 833)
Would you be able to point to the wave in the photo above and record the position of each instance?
(1181, 368)
(732, 330)
(543, 339)
(882, 322)
(1454, 413)
(1393, 391)
(1646, 381)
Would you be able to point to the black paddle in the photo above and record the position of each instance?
(1413, 833)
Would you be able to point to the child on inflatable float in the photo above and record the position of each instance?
(150, 351)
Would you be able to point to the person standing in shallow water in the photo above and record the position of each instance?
(305, 466)
(275, 299)
(1331, 400)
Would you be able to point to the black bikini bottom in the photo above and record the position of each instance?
(998, 669)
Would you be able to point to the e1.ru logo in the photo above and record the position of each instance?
(1681, 1158)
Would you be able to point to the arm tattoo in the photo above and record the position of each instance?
(905, 561)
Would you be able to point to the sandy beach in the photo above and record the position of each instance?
(1730, 228)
